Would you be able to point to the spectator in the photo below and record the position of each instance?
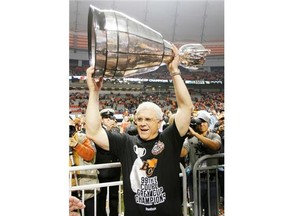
(132, 129)
(219, 129)
(213, 119)
(82, 152)
(109, 174)
(203, 142)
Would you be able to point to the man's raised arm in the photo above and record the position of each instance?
(184, 102)
(94, 130)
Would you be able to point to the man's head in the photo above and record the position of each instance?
(203, 120)
(148, 119)
(221, 119)
(107, 116)
(77, 122)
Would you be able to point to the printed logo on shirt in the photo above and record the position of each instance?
(149, 166)
(146, 188)
(158, 148)
(136, 172)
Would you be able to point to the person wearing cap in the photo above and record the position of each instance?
(109, 174)
(200, 142)
(150, 159)
(219, 128)
(108, 118)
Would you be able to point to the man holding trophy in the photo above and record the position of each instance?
(150, 160)
(118, 47)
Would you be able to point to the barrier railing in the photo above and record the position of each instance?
(201, 169)
(94, 187)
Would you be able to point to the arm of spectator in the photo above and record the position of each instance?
(74, 204)
(184, 102)
(85, 150)
(94, 129)
(184, 152)
(185, 148)
(213, 144)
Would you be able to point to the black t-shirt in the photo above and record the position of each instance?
(150, 172)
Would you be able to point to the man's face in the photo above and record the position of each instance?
(203, 126)
(108, 121)
(147, 124)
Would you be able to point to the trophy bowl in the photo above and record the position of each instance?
(120, 46)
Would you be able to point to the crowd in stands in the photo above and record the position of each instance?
(122, 101)
(75, 70)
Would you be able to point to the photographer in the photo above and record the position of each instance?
(200, 142)
(82, 152)
(219, 128)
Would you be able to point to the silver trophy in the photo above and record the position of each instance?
(120, 46)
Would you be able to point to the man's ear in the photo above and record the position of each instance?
(159, 124)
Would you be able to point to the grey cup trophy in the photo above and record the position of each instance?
(120, 46)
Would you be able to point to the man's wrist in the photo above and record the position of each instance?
(174, 73)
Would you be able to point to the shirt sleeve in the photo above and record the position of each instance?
(216, 137)
(85, 150)
(117, 143)
(186, 145)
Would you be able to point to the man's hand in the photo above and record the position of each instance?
(77, 138)
(191, 132)
(93, 84)
(72, 142)
(173, 66)
(81, 137)
(74, 204)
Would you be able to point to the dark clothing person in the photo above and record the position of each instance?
(150, 160)
(142, 162)
(107, 175)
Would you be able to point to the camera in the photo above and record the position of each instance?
(72, 130)
(193, 124)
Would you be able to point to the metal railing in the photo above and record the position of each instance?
(198, 172)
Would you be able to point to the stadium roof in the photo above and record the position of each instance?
(179, 21)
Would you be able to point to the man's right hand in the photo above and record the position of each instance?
(94, 84)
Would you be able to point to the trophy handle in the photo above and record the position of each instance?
(193, 55)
